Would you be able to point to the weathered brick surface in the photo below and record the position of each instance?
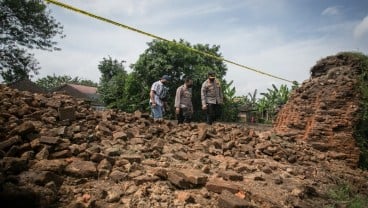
(179, 180)
(324, 109)
(229, 200)
(219, 185)
(13, 164)
(9, 142)
(120, 135)
(231, 175)
(145, 179)
(195, 176)
(56, 165)
(202, 132)
(132, 158)
(24, 128)
(67, 113)
(187, 178)
(79, 168)
(49, 140)
(61, 154)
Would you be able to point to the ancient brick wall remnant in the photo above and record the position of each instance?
(323, 111)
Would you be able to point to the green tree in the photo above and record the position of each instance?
(231, 105)
(295, 85)
(86, 82)
(229, 92)
(51, 82)
(112, 83)
(250, 105)
(135, 91)
(262, 108)
(24, 24)
(252, 99)
(272, 100)
(176, 61)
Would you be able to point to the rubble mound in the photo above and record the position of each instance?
(324, 110)
(57, 152)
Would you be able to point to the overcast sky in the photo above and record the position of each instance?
(282, 37)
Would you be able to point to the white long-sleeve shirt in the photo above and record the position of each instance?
(183, 97)
(211, 92)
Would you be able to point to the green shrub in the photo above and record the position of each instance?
(361, 130)
(343, 195)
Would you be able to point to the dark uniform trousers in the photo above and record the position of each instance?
(213, 112)
(184, 116)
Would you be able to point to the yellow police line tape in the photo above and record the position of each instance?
(66, 6)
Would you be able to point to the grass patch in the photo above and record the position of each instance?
(343, 195)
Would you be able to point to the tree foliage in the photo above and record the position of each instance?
(230, 111)
(130, 92)
(136, 94)
(112, 83)
(272, 100)
(265, 108)
(51, 82)
(24, 24)
(176, 61)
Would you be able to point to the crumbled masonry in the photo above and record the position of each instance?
(55, 151)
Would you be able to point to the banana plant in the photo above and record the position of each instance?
(272, 100)
(262, 106)
(230, 110)
(283, 95)
(229, 92)
(253, 99)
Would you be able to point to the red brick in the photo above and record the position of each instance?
(229, 200)
(132, 158)
(188, 178)
(231, 175)
(67, 113)
(120, 135)
(144, 179)
(195, 176)
(49, 140)
(178, 179)
(218, 185)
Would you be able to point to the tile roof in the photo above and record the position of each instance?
(84, 89)
(80, 91)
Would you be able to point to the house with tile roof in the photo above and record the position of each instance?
(81, 91)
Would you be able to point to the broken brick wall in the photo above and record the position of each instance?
(323, 110)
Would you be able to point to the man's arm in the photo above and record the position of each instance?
(152, 97)
(203, 96)
(153, 93)
(177, 100)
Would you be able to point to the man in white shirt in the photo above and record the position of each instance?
(183, 102)
(212, 97)
(158, 94)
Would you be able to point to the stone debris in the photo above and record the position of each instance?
(55, 151)
(230, 200)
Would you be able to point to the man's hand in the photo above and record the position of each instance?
(177, 110)
(153, 104)
(204, 107)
